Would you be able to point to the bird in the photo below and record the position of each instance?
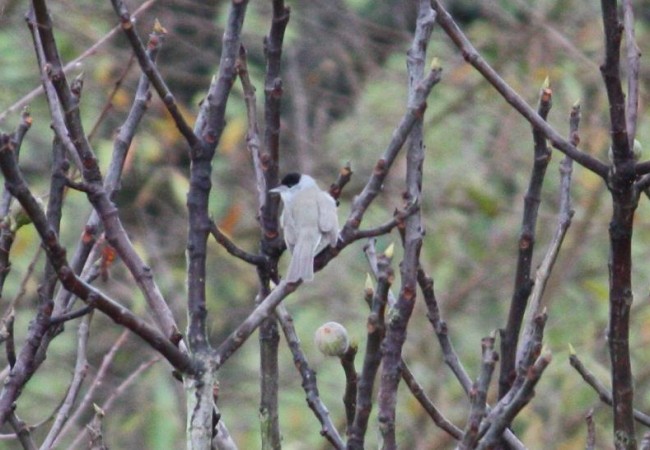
(309, 220)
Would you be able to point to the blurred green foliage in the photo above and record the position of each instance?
(479, 156)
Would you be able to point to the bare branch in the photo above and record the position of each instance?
(523, 282)
(440, 327)
(7, 335)
(92, 50)
(398, 220)
(591, 430)
(233, 249)
(478, 395)
(104, 367)
(252, 134)
(565, 215)
(308, 375)
(97, 195)
(149, 68)
(345, 174)
(604, 394)
(372, 188)
(412, 240)
(470, 54)
(57, 257)
(22, 432)
(250, 324)
(524, 394)
(351, 383)
(418, 392)
(610, 70)
(80, 371)
(624, 200)
(373, 353)
(115, 395)
(633, 57)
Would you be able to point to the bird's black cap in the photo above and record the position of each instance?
(291, 179)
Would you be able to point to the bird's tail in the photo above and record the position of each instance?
(302, 259)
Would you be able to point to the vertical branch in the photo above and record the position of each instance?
(564, 221)
(270, 243)
(523, 281)
(633, 57)
(270, 155)
(396, 329)
(269, 339)
(610, 71)
(478, 395)
(591, 430)
(373, 355)
(625, 200)
(209, 127)
(80, 371)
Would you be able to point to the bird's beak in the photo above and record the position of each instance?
(278, 190)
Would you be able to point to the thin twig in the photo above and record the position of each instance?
(233, 249)
(397, 221)
(523, 282)
(57, 256)
(478, 395)
(80, 371)
(116, 394)
(148, 67)
(99, 378)
(90, 51)
(351, 383)
(604, 394)
(565, 214)
(524, 394)
(591, 430)
(419, 393)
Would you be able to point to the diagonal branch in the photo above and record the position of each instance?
(149, 68)
(604, 394)
(265, 308)
(57, 257)
(472, 56)
(98, 196)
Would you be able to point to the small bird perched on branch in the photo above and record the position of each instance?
(309, 220)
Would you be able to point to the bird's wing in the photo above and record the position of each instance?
(290, 234)
(328, 221)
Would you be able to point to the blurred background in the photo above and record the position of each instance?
(344, 84)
